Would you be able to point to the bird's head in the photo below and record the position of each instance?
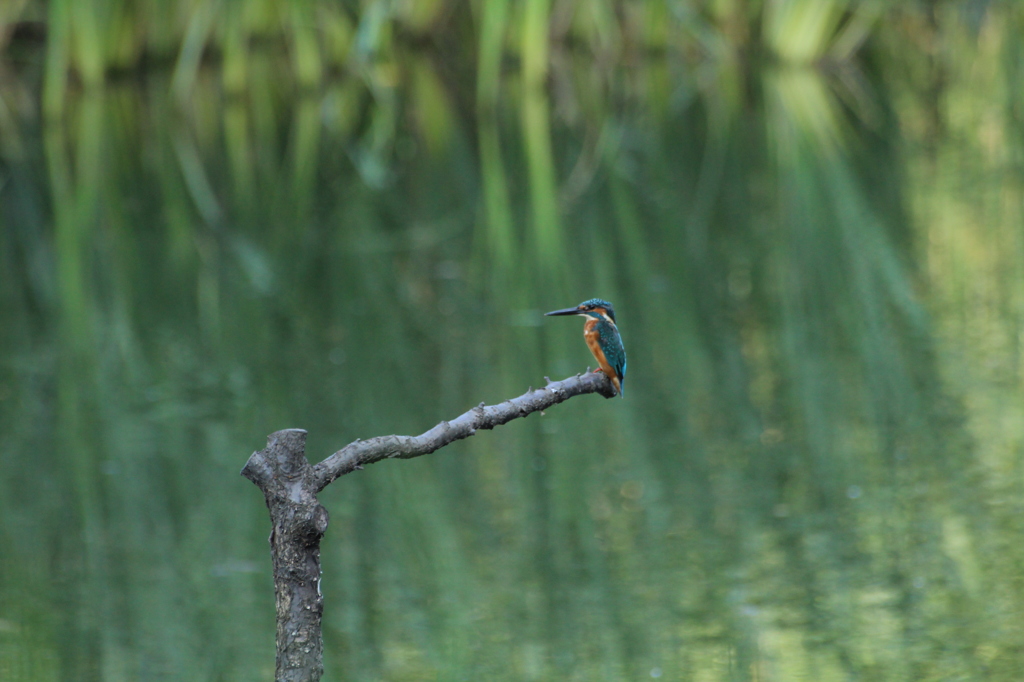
(597, 308)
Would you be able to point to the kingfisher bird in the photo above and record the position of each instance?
(602, 338)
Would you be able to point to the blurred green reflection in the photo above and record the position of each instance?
(816, 473)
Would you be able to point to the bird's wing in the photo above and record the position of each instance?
(615, 352)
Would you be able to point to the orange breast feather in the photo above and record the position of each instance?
(592, 336)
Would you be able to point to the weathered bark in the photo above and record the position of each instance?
(290, 486)
(284, 475)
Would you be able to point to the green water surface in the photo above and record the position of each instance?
(817, 472)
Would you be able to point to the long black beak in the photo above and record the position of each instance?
(565, 311)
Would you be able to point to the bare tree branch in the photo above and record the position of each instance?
(359, 453)
(282, 472)
(290, 486)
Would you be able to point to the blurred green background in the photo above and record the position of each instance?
(223, 218)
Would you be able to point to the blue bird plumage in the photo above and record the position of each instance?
(602, 336)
